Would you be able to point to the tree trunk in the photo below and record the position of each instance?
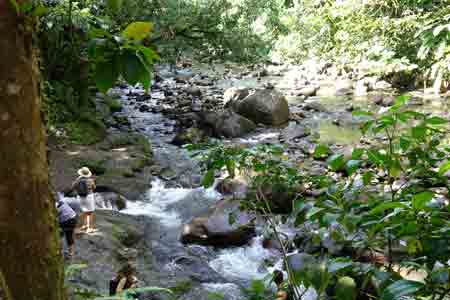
(30, 258)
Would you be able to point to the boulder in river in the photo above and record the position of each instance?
(224, 225)
(263, 106)
(191, 135)
(234, 94)
(307, 91)
(228, 123)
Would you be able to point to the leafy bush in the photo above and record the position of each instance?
(384, 197)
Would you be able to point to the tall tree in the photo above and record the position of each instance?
(30, 258)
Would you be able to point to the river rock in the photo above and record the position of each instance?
(193, 91)
(382, 85)
(263, 106)
(315, 106)
(293, 132)
(326, 91)
(144, 108)
(234, 187)
(191, 135)
(228, 123)
(307, 91)
(224, 225)
(344, 87)
(235, 94)
(301, 262)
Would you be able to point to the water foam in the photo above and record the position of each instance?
(159, 198)
(244, 262)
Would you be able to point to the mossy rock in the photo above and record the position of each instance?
(182, 287)
(96, 166)
(86, 131)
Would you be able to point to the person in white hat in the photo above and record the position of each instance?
(85, 186)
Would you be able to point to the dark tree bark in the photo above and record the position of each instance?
(30, 260)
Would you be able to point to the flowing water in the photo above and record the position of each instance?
(175, 198)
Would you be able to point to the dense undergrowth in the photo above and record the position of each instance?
(377, 216)
(406, 42)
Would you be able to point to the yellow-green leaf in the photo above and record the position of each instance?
(138, 30)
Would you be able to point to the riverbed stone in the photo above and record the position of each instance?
(224, 225)
(307, 91)
(227, 123)
(266, 106)
(235, 94)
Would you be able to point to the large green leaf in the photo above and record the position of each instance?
(436, 121)
(208, 179)
(387, 206)
(401, 288)
(336, 162)
(106, 74)
(133, 70)
(444, 168)
(138, 30)
(420, 200)
(114, 5)
(321, 151)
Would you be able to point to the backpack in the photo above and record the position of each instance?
(82, 188)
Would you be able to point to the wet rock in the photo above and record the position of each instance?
(193, 91)
(315, 106)
(382, 85)
(191, 135)
(361, 88)
(144, 108)
(388, 101)
(300, 262)
(344, 87)
(293, 132)
(227, 291)
(307, 91)
(142, 98)
(326, 91)
(227, 123)
(234, 187)
(263, 106)
(216, 228)
(235, 94)
(110, 200)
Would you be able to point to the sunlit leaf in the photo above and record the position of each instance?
(208, 179)
(138, 30)
(444, 168)
(419, 201)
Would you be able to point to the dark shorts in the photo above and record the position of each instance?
(68, 229)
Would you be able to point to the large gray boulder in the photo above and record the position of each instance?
(228, 123)
(224, 225)
(263, 106)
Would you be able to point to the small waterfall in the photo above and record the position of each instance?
(160, 199)
(244, 263)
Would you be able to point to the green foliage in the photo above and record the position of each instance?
(123, 55)
(406, 148)
(86, 131)
(346, 288)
